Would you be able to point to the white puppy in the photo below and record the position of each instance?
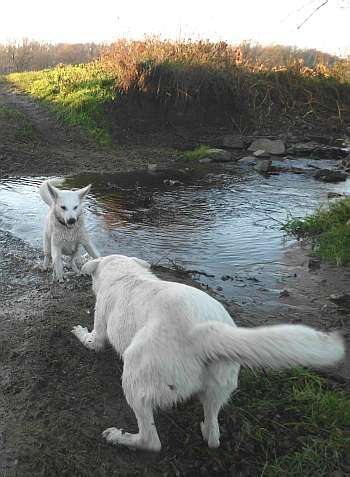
(176, 341)
(64, 227)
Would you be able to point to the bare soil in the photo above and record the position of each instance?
(57, 397)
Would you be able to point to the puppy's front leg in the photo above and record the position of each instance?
(57, 263)
(90, 248)
(47, 252)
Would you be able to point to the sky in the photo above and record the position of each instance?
(233, 21)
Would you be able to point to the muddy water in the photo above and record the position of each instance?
(226, 223)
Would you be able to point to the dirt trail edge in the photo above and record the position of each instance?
(34, 142)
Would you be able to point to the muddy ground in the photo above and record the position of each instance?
(56, 397)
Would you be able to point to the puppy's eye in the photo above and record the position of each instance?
(63, 207)
(75, 208)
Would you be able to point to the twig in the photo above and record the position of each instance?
(312, 14)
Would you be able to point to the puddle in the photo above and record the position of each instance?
(223, 224)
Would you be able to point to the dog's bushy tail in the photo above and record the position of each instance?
(279, 346)
(44, 192)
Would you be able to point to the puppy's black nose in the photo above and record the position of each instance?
(71, 221)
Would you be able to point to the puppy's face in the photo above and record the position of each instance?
(68, 204)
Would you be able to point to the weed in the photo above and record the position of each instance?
(327, 230)
(199, 153)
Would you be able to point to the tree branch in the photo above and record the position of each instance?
(312, 14)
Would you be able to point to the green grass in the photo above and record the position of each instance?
(295, 422)
(327, 230)
(199, 153)
(77, 93)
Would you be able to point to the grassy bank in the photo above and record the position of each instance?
(327, 230)
(77, 93)
(197, 82)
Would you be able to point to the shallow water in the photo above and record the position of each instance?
(226, 223)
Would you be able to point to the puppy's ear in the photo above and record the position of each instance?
(141, 262)
(83, 192)
(52, 191)
(91, 266)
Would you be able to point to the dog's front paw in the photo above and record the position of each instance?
(58, 278)
(112, 435)
(79, 331)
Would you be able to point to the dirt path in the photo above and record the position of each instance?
(33, 141)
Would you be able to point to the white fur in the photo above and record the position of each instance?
(177, 341)
(64, 229)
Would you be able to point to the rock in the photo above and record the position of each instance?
(326, 175)
(205, 160)
(152, 167)
(317, 150)
(332, 195)
(345, 163)
(233, 142)
(340, 299)
(261, 153)
(250, 160)
(171, 182)
(219, 155)
(275, 147)
(262, 165)
(314, 264)
(284, 293)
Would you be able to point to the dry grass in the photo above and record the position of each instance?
(216, 78)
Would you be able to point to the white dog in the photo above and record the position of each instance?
(64, 227)
(176, 341)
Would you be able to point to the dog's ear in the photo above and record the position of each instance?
(141, 262)
(83, 192)
(90, 267)
(52, 191)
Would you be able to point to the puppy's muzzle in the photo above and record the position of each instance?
(71, 221)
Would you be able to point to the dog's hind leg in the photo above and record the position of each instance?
(220, 382)
(147, 438)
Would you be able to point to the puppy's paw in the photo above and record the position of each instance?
(79, 331)
(112, 435)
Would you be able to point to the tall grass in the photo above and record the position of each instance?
(216, 77)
